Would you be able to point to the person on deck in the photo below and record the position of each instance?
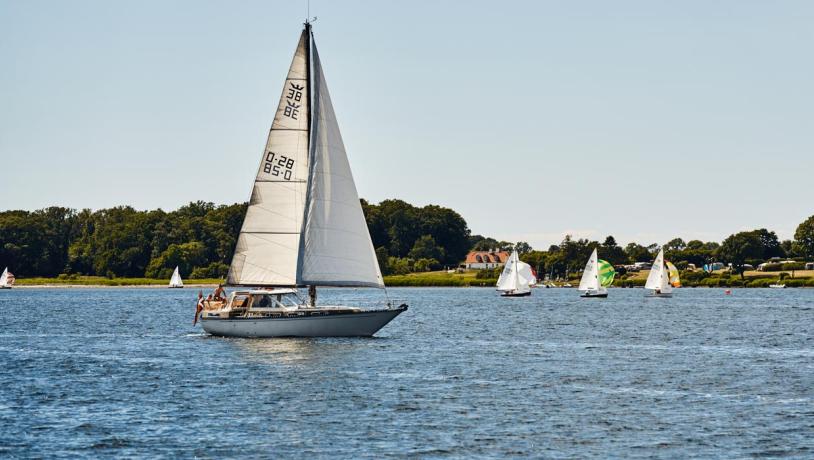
(220, 293)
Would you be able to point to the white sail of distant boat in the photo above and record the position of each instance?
(516, 278)
(590, 283)
(304, 226)
(659, 278)
(175, 281)
(6, 279)
(526, 273)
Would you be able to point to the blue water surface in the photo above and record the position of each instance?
(463, 373)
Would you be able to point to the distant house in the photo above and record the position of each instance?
(479, 260)
(810, 266)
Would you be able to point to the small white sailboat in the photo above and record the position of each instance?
(516, 278)
(175, 281)
(6, 279)
(659, 278)
(778, 285)
(304, 226)
(590, 284)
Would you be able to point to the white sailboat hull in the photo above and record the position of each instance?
(360, 324)
(660, 294)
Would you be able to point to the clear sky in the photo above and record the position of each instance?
(646, 120)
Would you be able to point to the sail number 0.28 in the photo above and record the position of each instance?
(280, 166)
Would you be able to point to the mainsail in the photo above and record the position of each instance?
(590, 276)
(175, 281)
(659, 278)
(304, 224)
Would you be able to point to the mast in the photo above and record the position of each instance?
(312, 289)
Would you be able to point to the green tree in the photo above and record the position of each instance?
(611, 251)
(522, 247)
(426, 248)
(804, 238)
(739, 248)
(637, 253)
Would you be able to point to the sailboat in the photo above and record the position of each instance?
(304, 226)
(672, 271)
(516, 278)
(6, 279)
(659, 278)
(175, 281)
(596, 277)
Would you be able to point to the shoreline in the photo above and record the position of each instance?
(213, 285)
(111, 286)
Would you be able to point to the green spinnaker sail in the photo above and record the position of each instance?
(606, 273)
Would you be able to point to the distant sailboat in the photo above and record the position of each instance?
(516, 278)
(6, 279)
(175, 281)
(304, 226)
(672, 271)
(596, 277)
(659, 278)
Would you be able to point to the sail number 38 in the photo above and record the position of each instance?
(278, 165)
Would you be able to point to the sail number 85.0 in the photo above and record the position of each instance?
(278, 165)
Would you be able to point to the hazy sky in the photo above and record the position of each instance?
(646, 120)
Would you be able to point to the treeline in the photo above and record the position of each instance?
(408, 238)
(740, 249)
(121, 241)
(200, 238)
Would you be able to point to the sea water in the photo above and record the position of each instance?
(463, 373)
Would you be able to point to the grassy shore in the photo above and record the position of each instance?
(102, 281)
(441, 278)
(802, 278)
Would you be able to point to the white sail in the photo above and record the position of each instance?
(336, 245)
(4, 278)
(525, 272)
(664, 280)
(511, 279)
(590, 276)
(176, 281)
(268, 246)
(657, 273)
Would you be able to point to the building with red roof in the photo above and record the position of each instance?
(479, 260)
